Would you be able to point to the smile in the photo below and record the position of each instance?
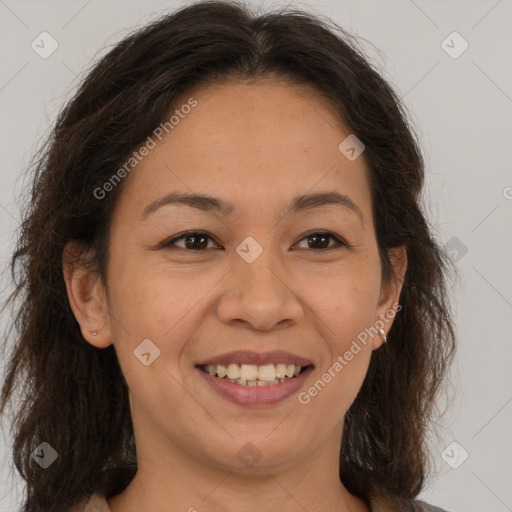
(254, 375)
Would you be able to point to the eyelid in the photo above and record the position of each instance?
(329, 234)
(170, 242)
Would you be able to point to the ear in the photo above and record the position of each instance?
(390, 293)
(87, 297)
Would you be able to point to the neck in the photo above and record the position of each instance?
(179, 482)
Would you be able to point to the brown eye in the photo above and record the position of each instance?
(192, 241)
(320, 240)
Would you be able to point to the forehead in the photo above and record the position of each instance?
(245, 114)
(251, 143)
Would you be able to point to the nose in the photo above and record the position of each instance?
(259, 295)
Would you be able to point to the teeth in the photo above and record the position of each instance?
(280, 371)
(267, 372)
(253, 375)
(233, 371)
(249, 372)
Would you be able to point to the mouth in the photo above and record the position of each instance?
(255, 375)
(249, 378)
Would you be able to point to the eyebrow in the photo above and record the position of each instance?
(209, 203)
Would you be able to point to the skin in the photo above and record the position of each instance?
(257, 145)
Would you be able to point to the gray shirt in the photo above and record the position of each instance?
(421, 506)
(98, 503)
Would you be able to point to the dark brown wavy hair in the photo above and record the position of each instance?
(73, 395)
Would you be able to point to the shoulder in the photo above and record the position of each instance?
(402, 505)
(96, 503)
(421, 506)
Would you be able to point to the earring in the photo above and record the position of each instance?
(94, 332)
(383, 334)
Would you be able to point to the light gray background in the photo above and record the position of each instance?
(462, 109)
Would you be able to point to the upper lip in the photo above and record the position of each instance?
(257, 358)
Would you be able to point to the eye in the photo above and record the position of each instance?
(192, 240)
(198, 241)
(320, 240)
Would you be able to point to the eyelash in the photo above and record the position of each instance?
(172, 241)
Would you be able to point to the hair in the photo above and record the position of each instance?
(73, 395)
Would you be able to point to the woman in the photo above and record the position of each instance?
(228, 297)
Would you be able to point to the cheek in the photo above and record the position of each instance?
(330, 395)
(346, 306)
(346, 300)
(145, 307)
(152, 298)
(348, 377)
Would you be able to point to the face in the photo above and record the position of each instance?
(281, 271)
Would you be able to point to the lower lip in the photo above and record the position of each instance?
(256, 395)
